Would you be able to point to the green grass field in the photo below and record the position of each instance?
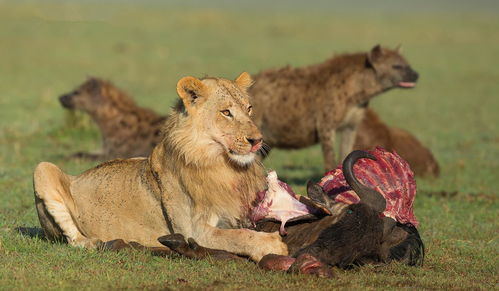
(47, 48)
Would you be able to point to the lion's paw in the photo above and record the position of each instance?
(271, 243)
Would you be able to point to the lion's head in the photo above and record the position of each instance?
(214, 121)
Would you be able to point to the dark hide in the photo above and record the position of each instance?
(358, 234)
(356, 238)
(411, 251)
(353, 234)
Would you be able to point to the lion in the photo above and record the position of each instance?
(200, 181)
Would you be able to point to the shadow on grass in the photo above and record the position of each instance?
(300, 174)
(32, 232)
(302, 181)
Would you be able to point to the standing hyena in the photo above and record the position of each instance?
(299, 107)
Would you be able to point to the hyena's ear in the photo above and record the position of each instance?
(192, 92)
(244, 81)
(398, 49)
(374, 54)
(92, 85)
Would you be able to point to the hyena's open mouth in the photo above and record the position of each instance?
(407, 84)
(409, 80)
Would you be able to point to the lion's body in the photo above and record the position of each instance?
(119, 206)
(199, 181)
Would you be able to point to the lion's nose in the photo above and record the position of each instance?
(256, 143)
(254, 140)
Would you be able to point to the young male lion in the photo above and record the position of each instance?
(127, 130)
(199, 181)
(299, 107)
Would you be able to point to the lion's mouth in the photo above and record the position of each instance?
(256, 147)
(234, 153)
(241, 159)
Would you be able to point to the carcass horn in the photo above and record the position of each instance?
(367, 195)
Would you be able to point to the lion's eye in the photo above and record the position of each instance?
(398, 67)
(226, 112)
(250, 109)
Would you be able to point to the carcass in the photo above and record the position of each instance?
(361, 212)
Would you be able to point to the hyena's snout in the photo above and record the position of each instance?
(411, 75)
(66, 100)
(409, 78)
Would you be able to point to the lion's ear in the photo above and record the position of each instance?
(244, 81)
(192, 92)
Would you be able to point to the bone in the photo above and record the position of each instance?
(279, 203)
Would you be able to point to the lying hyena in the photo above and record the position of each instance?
(374, 132)
(127, 130)
(299, 107)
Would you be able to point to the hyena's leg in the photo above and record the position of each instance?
(348, 133)
(347, 140)
(327, 137)
(54, 204)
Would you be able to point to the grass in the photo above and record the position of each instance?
(47, 48)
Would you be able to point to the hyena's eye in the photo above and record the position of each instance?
(398, 67)
(250, 109)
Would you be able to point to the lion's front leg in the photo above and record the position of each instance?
(241, 241)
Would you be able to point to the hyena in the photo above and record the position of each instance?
(127, 130)
(299, 107)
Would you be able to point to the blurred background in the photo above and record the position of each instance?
(144, 47)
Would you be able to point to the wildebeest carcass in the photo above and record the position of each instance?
(343, 222)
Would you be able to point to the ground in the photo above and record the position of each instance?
(48, 48)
